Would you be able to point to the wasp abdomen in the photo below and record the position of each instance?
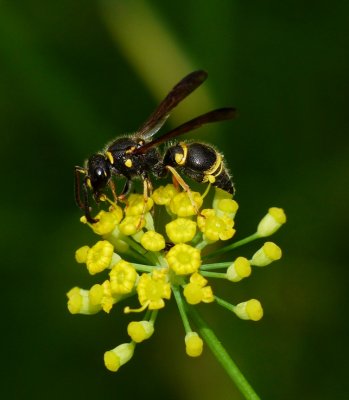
(200, 162)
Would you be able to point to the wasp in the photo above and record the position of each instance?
(138, 155)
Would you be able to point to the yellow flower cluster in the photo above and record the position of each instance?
(152, 260)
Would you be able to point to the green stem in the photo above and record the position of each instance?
(132, 251)
(232, 246)
(154, 314)
(220, 275)
(207, 267)
(222, 356)
(224, 304)
(143, 268)
(139, 249)
(197, 239)
(181, 308)
(201, 245)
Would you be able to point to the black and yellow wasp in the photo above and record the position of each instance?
(138, 155)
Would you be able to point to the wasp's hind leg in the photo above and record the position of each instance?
(147, 192)
(113, 190)
(178, 180)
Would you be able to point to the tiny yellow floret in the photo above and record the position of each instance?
(81, 254)
(196, 291)
(223, 203)
(183, 259)
(102, 295)
(152, 289)
(107, 221)
(181, 230)
(193, 344)
(238, 270)
(140, 330)
(163, 194)
(132, 224)
(182, 206)
(123, 277)
(114, 359)
(99, 257)
(268, 253)
(215, 228)
(271, 222)
(249, 310)
(136, 205)
(96, 294)
(153, 241)
(79, 302)
(228, 207)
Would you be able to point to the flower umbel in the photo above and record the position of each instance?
(152, 260)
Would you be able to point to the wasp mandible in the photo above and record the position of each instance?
(137, 155)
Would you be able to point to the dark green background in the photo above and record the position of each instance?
(66, 89)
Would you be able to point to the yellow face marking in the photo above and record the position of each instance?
(128, 163)
(89, 184)
(110, 157)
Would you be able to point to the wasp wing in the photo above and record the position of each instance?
(220, 114)
(179, 92)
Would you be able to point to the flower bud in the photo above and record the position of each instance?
(140, 330)
(271, 222)
(114, 359)
(79, 302)
(268, 253)
(251, 309)
(238, 270)
(193, 344)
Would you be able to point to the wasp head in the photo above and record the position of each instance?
(98, 173)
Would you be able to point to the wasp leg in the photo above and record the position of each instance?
(78, 172)
(185, 187)
(86, 207)
(147, 190)
(113, 190)
(125, 191)
(82, 199)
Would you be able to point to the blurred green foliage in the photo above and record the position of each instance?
(67, 86)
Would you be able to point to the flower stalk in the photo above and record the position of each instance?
(222, 356)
